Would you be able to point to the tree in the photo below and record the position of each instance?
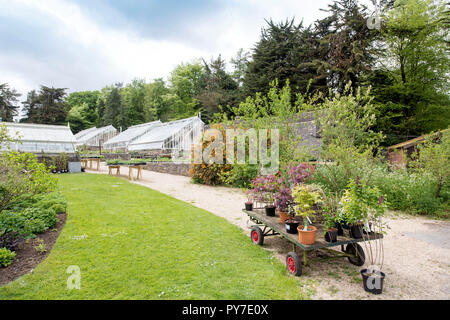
(30, 107)
(282, 53)
(48, 106)
(133, 97)
(240, 64)
(156, 106)
(344, 45)
(90, 99)
(186, 82)
(115, 113)
(219, 89)
(78, 119)
(412, 78)
(8, 103)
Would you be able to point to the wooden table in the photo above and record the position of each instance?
(130, 170)
(90, 160)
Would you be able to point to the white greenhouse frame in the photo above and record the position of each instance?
(176, 135)
(94, 137)
(123, 139)
(41, 138)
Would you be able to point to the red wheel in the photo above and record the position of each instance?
(293, 264)
(257, 236)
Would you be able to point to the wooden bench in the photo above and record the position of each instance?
(90, 160)
(130, 170)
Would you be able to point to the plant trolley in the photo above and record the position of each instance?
(265, 226)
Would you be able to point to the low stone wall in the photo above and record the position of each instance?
(180, 169)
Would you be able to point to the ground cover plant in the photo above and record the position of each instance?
(131, 242)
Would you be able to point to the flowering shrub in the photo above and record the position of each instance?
(210, 174)
(300, 173)
(283, 198)
(265, 187)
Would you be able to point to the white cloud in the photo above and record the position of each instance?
(96, 55)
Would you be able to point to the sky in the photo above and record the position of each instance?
(88, 44)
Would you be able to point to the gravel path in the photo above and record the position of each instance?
(417, 249)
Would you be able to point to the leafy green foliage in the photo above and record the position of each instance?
(361, 203)
(48, 106)
(434, 158)
(6, 257)
(305, 198)
(411, 81)
(21, 174)
(240, 175)
(8, 102)
(347, 120)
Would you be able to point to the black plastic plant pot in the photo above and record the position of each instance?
(356, 231)
(340, 231)
(270, 211)
(331, 235)
(291, 226)
(345, 226)
(249, 206)
(373, 282)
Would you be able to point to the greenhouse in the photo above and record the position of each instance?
(175, 135)
(123, 139)
(95, 137)
(41, 138)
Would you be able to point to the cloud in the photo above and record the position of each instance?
(85, 45)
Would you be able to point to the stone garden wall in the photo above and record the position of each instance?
(180, 169)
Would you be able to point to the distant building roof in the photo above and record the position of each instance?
(92, 136)
(129, 135)
(186, 130)
(413, 142)
(38, 138)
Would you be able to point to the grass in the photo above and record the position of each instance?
(131, 242)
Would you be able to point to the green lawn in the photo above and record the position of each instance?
(131, 242)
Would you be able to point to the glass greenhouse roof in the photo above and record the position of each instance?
(155, 138)
(91, 135)
(38, 138)
(130, 134)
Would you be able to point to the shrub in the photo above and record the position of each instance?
(413, 192)
(6, 257)
(21, 176)
(210, 174)
(58, 208)
(265, 188)
(38, 219)
(300, 173)
(240, 176)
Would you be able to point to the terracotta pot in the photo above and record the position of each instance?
(284, 216)
(307, 237)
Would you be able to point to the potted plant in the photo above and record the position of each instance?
(364, 207)
(249, 202)
(264, 188)
(329, 228)
(283, 201)
(305, 197)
